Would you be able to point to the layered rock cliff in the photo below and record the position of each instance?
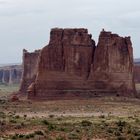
(113, 64)
(30, 61)
(71, 66)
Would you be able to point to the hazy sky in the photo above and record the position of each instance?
(27, 23)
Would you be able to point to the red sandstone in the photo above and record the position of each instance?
(72, 67)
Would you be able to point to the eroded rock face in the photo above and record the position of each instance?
(72, 67)
(113, 64)
(30, 62)
(64, 64)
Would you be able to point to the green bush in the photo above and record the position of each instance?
(13, 121)
(110, 130)
(121, 138)
(117, 133)
(102, 116)
(21, 136)
(73, 136)
(2, 115)
(135, 132)
(62, 129)
(86, 123)
(38, 133)
(51, 126)
(60, 138)
(121, 123)
(15, 136)
(45, 122)
(28, 136)
(17, 117)
(51, 116)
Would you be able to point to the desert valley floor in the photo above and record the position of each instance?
(109, 118)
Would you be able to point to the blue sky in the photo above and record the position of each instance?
(27, 23)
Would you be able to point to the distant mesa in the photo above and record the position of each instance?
(71, 66)
(10, 74)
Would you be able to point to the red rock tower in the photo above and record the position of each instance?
(113, 64)
(72, 67)
(30, 64)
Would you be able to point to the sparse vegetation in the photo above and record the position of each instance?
(109, 118)
(86, 123)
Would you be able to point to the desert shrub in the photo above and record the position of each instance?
(51, 116)
(86, 123)
(28, 136)
(13, 121)
(60, 138)
(2, 123)
(22, 124)
(2, 115)
(73, 136)
(17, 117)
(21, 136)
(45, 122)
(120, 128)
(2, 101)
(15, 136)
(137, 120)
(135, 132)
(25, 116)
(102, 116)
(117, 133)
(77, 130)
(62, 129)
(59, 119)
(121, 123)
(38, 133)
(121, 138)
(110, 130)
(51, 127)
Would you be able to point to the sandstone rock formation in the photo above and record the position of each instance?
(10, 74)
(113, 64)
(71, 66)
(30, 61)
(137, 73)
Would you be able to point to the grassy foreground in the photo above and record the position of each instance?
(69, 128)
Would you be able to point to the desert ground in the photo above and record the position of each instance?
(109, 118)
